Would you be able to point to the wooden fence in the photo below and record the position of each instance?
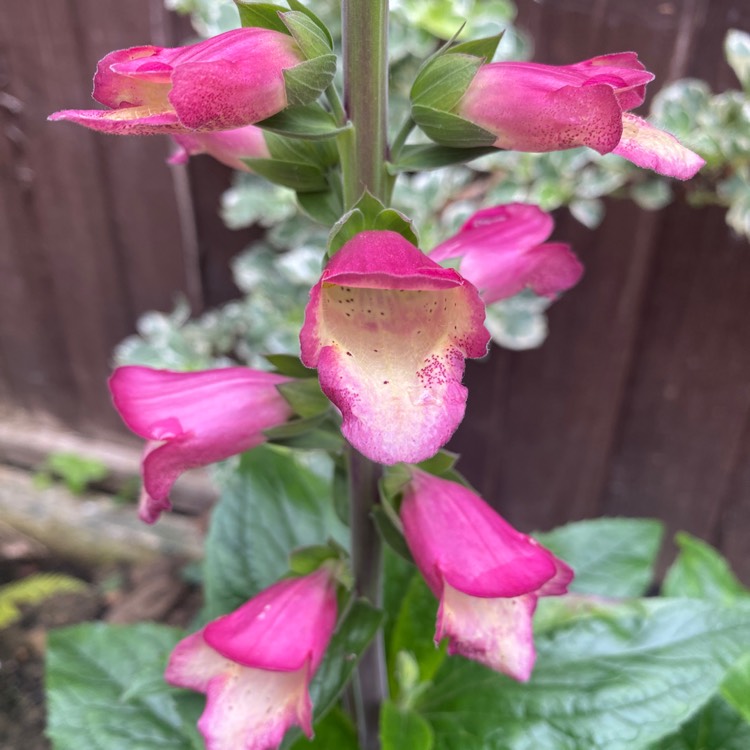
(638, 404)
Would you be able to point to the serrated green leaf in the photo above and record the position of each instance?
(714, 727)
(90, 672)
(616, 682)
(308, 34)
(310, 122)
(271, 505)
(425, 156)
(610, 556)
(442, 83)
(700, 572)
(402, 728)
(306, 81)
(450, 130)
(261, 15)
(303, 178)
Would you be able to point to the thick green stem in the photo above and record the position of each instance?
(365, 43)
(364, 152)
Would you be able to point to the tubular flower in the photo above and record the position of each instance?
(229, 147)
(388, 330)
(487, 576)
(229, 81)
(255, 664)
(502, 251)
(534, 107)
(193, 419)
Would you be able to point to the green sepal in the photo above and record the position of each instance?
(442, 83)
(441, 464)
(305, 560)
(293, 429)
(392, 483)
(289, 365)
(391, 534)
(425, 156)
(304, 178)
(340, 488)
(311, 122)
(312, 40)
(306, 81)
(324, 207)
(305, 397)
(295, 5)
(326, 437)
(261, 15)
(484, 48)
(451, 130)
(369, 213)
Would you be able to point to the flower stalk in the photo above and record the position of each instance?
(364, 152)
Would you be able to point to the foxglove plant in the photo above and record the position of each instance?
(388, 328)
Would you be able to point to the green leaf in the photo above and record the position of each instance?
(105, 690)
(296, 5)
(423, 156)
(402, 728)
(440, 464)
(306, 81)
(347, 227)
(324, 207)
(289, 365)
(736, 687)
(261, 15)
(484, 48)
(414, 629)
(390, 533)
(700, 572)
(305, 397)
(450, 130)
(310, 122)
(308, 34)
(443, 82)
(610, 556)
(715, 727)
(304, 178)
(272, 504)
(619, 681)
(335, 731)
(737, 51)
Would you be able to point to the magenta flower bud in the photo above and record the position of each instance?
(192, 419)
(534, 107)
(255, 664)
(226, 82)
(487, 576)
(229, 147)
(388, 330)
(502, 250)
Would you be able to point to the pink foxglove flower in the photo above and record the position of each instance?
(193, 419)
(534, 107)
(229, 81)
(255, 664)
(388, 330)
(502, 250)
(487, 575)
(229, 147)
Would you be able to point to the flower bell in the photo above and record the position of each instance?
(226, 82)
(229, 147)
(192, 419)
(502, 250)
(255, 664)
(487, 576)
(388, 330)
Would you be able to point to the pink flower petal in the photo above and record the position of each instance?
(227, 146)
(193, 419)
(129, 121)
(495, 632)
(388, 330)
(651, 148)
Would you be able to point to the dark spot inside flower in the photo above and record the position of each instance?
(348, 354)
(385, 382)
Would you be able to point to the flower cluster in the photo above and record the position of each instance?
(388, 328)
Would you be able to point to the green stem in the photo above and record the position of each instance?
(365, 45)
(364, 152)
